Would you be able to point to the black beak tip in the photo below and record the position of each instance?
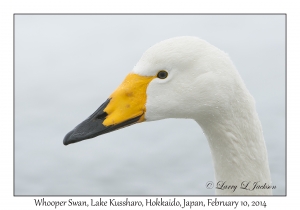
(93, 126)
(67, 139)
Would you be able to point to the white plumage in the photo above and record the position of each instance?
(199, 82)
(204, 85)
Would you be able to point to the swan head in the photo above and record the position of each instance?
(182, 77)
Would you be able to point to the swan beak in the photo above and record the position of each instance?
(125, 107)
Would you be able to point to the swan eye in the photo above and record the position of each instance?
(162, 74)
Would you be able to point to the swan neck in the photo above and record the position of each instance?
(238, 150)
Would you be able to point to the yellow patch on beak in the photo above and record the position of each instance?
(128, 100)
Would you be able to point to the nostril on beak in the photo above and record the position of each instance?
(101, 116)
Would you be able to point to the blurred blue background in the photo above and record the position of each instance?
(67, 65)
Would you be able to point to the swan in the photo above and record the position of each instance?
(186, 77)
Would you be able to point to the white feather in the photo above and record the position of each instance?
(204, 85)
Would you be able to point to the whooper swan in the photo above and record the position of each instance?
(186, 77)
